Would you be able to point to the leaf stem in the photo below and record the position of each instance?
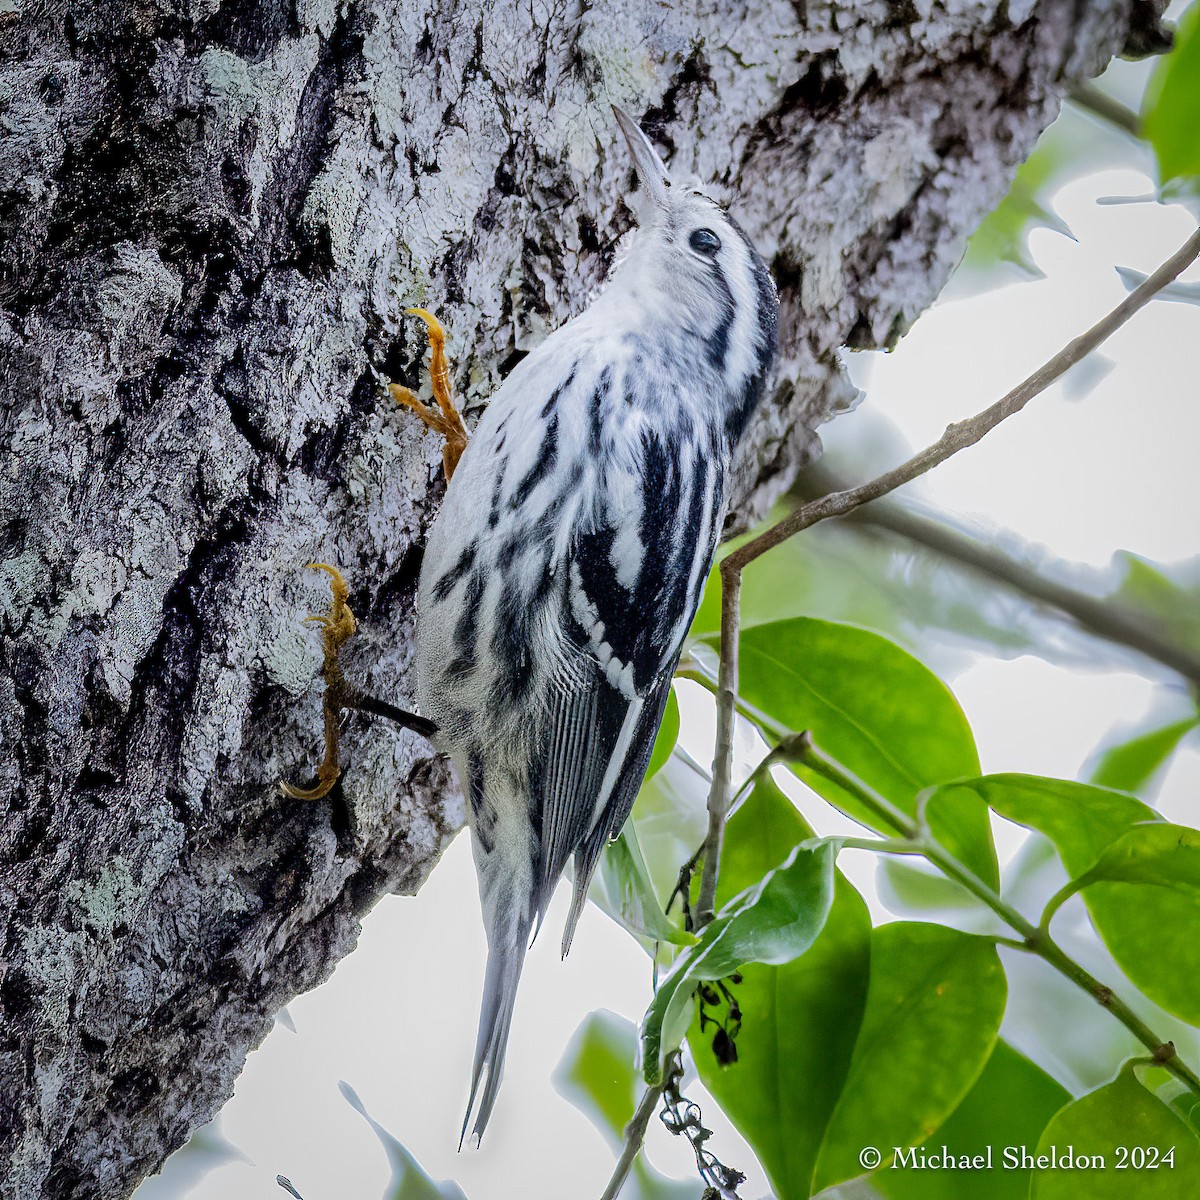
(804, 750)
(881, 845)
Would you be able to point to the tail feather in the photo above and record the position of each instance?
(506, 957)
(586, 859)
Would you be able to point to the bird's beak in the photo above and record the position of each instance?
(648, 165)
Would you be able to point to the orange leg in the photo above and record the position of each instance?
(444, 419)
(337, 627)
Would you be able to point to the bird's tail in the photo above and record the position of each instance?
(508, 941)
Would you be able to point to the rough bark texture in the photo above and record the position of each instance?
(211, 217)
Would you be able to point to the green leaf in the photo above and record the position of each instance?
(1122, 1113)
(597, 1072)
(1169, 112)
(879, 712)
(1160, 854)
(934, 1007)
(409, 1181)
(1153, 933)
(915, 887)
(627, 894)
(668, 735)
(927, 601)
(1130, 766)
(832, 572)
(1009, 1105)
(799, 1019)
(774, 921)
(671, 819)
(598, 1075)
(1163, 600)
(1081, 820)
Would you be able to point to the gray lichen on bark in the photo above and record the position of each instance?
(211, 218)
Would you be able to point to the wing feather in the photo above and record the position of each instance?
(625, 613)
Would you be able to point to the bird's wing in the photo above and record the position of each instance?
(633, 581)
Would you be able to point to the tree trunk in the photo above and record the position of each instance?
(211, 218)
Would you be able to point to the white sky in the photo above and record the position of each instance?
(1086, 477)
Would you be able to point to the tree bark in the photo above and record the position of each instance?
(211, 218)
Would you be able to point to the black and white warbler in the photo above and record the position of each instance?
(567, 562)
(565, 566)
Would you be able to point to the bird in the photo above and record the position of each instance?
(568, 558)
(566, 563)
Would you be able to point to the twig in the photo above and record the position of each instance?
(1102, 105)
(718, 794)
(1100, 617)
(635, 1135)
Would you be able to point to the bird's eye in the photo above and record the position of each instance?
(705, 242)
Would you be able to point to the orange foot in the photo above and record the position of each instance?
(444, 419)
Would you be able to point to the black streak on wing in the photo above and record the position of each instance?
(595, 410)
(466, 629)
(569, 768)
(639, 622)
(484, 815)
(519, 613)
(620, 803)
(552, 401)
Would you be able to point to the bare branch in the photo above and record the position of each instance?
(1097, 615)
(966, 433)
(718, 794)
(1100, 104)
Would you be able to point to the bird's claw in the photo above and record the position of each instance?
(445, 419)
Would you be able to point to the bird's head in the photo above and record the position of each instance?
(694, 267)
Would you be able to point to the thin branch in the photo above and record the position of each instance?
(718, 795)
(1102, 105)
(1098, 616)
(965, 433)
(635, 1135)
